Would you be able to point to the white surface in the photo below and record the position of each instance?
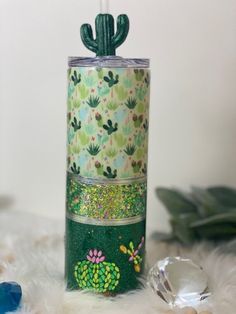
(192, 129)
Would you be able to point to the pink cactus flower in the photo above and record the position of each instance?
(95, 256)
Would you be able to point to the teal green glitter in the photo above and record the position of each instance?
(106, 201)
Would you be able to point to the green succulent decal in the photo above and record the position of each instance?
(93, 102)
(145, 125)
(76, 125)
(99, 168)
(83, 138)
(130, 150)
(112, 106)
(136, 165)
(96, 274)
(120, 139)
(137, 120)
(139, 74)
(75, 169)
(110, 128)
(121, 92)
(84, 91)
(147, 80)
(99, 120)
(110, 79)
(76, 78)
(111, 152)
(131, 103)
(110, 174)
(93, 149)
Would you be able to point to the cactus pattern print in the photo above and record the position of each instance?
(108, 122)
(107, 145)
(96, 274)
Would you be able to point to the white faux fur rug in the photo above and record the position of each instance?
(32, 253)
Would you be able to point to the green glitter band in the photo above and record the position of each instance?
(101, 201)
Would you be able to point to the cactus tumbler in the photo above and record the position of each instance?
(108, 105)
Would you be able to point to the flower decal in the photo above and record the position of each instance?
(134, 258)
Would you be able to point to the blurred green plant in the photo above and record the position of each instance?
(200, 214)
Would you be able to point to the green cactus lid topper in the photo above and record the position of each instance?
(107, 41)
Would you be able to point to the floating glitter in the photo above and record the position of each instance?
(106, 201)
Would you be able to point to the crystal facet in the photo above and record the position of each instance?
(178, 281)
(10, 296)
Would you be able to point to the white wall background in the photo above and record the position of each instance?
(192, 45)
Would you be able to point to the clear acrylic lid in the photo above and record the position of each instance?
(108, 62)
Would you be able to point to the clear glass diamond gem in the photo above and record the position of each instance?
(178, 281)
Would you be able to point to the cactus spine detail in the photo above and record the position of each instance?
(107, 41)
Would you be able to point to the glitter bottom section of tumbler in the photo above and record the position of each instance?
(105, 259)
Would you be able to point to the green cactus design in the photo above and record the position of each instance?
(99, 120)
(136, 165)
(107, 123)
(139, 139)
(110, 174)
(145, 125)
(103, 91)
(84, 92)
(75, 78)
(110, 79)
(93, 149)
(96, 274)
(73, 149)
(73, 104)
(90, 129)
(93, 102)
(112, 106)
(103, 139)
(139, 153)
(140, 107)
(99, 168)
(106, 41)
(121, 92)
(90, 81)
(120, 139)
(83, 138)
(138, 120)
(141, 93)
(110, 128)
(100, 73)
(139, 74)
(111, 153)
(147, 80)
(75, 169)
(127, 82)
(131, 103)
(127, 129)
(144, 169)
(76, 125)
(130, 150)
